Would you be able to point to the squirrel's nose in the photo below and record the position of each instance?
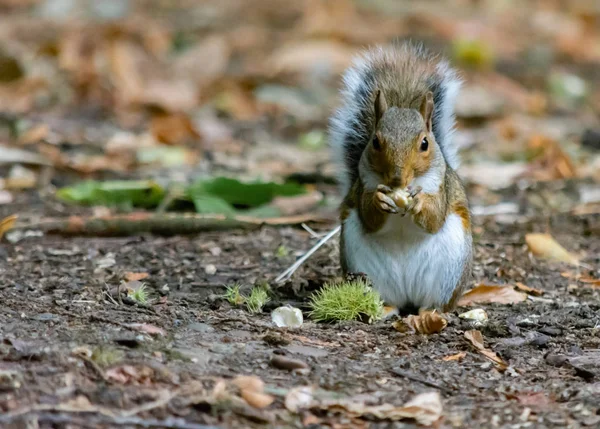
(395, 180)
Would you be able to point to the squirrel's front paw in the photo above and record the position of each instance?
(384, 200)
(414, 204)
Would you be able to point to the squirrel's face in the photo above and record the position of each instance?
(402, 147)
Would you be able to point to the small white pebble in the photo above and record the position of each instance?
(210, 269)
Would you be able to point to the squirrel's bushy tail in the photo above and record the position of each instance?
(404, 72)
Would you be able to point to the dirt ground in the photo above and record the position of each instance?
(178, 91)
(55, 304)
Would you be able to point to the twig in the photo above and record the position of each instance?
(92, 365)
(416, 378)
(287, 274)
(80, 421)
(311, 231)
(159, 223)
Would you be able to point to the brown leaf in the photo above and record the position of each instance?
(304, 56)
(129, 374)
(193, 64)
(257, 399)
(552, 162)
(131, 277)
(588, 280)
(529, 290)
(476, 339)
(425, 409)
(492, 294)
(544, 246)
(427, 323)
(34, 134)
(147, 329)
(537, 400)
(594, 282)
(249, 382)
(458, 356)
(173, 129)
(6, 224)
(298, 204)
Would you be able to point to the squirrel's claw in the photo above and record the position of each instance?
(385, 189)
(385, 203)
(413, 191)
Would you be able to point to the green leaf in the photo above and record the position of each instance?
(245, 194)
(134, 193)
(262, 211)
(210, 204)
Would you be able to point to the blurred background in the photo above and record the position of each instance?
(186, 90)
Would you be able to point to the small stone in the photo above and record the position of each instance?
(551, 331)
(210, 269)
(201, 327)
(283, 362)
(556, 359)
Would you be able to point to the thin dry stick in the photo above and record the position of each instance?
(287, 274)
(160, 223)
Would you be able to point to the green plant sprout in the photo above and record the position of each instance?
(140, 294)
(233, 295)
(257, 299)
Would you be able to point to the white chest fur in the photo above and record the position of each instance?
(406, 264)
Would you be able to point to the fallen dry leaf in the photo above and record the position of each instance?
(131, 277)
(491, 294)
(529, 290)
(425, 409)
(6, 224)
(257, 399)
(252, 391)
(538, 400)
(552, 163)
(427, 322)
(302, 57)
(249, 382)
(299, 398)
(590, 280)
(173, 129)
(34, 134)
(594, 282)
(297, 204)
(126, 374)
(476, 339)
(458, 356)
(544, 246)
(147, 329)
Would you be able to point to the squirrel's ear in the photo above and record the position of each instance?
(380, 106)
(427, 110)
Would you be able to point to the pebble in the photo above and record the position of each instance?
(210, 269)
(201, 327)
(283, 362)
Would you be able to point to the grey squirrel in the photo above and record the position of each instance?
(405, 215)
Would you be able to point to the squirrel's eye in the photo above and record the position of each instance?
(424, 144)
(376, 143)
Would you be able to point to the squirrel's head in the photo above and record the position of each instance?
(402, 146)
